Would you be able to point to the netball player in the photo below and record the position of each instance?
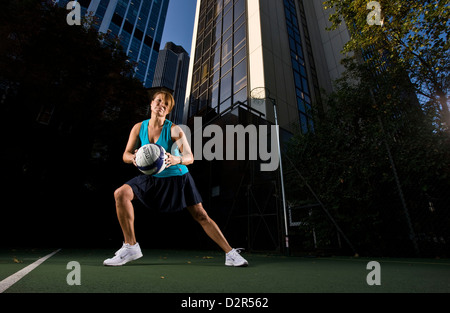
(172, 190)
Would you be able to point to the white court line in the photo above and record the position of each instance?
(14, 278)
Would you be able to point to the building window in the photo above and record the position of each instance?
(240, 75)
(215, 96)
(240, 37)
(298, 65)
(215, 59)
(220, 55)
(225, 87)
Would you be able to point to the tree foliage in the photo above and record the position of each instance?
(346, 163)
(414, 35)
(378, 158)
(69, 102)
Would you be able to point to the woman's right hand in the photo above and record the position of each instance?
(134, 157)
(129, 156)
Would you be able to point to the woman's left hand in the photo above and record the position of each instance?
(172, 159)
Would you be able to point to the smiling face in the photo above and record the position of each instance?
(162, 104)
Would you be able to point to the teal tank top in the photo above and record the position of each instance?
(164, 140)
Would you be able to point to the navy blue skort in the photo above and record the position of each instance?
(165, 194)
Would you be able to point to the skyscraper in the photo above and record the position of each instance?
(240, 45)
(171, 72)
(138, 23)
(281, 45)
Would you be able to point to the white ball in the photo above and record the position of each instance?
(150, 159)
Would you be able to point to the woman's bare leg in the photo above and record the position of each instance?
(125, 212)
(210, 227)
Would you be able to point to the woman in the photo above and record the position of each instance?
(171, 190)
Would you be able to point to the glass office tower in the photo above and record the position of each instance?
(171, 72)
(239, 45)
(219, 73)
(138, 23)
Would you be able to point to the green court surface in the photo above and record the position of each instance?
(194, 271)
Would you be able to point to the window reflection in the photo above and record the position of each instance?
(220, 65)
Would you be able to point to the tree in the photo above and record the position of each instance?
(346, 162)
(413, 35)
(69, 102)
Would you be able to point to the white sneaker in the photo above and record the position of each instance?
(124, 255)
(233, 258)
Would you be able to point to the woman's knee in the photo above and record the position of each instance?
(124, 193)
(199, 213)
